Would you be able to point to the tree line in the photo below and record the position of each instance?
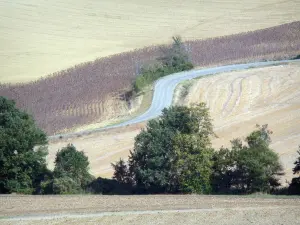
(173, 154)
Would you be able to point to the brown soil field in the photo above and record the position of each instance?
(151, 209)
(41, 37)
(92, 92)
(237, 100)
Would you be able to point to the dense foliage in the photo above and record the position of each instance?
(173, 154)
(294, 187)
(174, 59)
(247, 168)
(71, 173)
(22, 150)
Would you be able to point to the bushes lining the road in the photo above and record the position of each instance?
(174, 59)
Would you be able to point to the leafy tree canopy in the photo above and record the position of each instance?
(22, 150)
(296, 169)
(294, 187)
(173, 153)
(73, 164)
(247, 168)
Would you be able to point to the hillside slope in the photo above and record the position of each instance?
(42, 37)
(238, 101)
(93, 92)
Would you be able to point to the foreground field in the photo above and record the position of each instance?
(161, 209)
(41, 37)
(237, 100)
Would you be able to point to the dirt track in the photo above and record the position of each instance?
(157, 209)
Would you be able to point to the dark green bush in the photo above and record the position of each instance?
(71, 173)
(74, 164)
(66, 185)
(294, 187)
(297, 57)
(174, 59)
(247, 168)
(109, 187)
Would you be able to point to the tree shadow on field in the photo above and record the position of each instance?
(109, 187)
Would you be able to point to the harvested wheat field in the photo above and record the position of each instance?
(237, 100)
(151, 209)
(41, 37)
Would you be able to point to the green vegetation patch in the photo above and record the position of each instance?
(174, 59)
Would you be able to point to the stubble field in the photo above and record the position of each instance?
(151, 209)
(41, 37)
(237, 100)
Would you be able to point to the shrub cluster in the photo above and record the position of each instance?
(70, 175)
(174, 59)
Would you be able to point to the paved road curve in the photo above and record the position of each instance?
(164, 89)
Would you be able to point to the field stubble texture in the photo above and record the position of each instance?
(91, 91)
(151, 209)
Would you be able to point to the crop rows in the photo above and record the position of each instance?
(77, 96)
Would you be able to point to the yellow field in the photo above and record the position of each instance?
(237, 100)
(40, 37)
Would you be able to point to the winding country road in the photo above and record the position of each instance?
(164, 90)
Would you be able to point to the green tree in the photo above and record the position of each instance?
(173, 59)
(65, 185)
(248, 169)
(176, 56)
(294, 187)
(193, 164)
(22, 150)
(73, 164)
(158, 162)
(121, 172)
(296, 169)
(223, 170)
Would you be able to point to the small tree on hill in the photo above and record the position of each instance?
(173, 59)
(176, 56)
(22, 150)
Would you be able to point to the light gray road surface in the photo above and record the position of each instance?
(164, 89)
